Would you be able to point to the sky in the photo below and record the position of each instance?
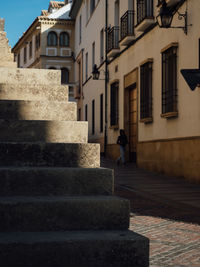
(19, 15)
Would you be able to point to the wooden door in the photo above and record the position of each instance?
(133, 123)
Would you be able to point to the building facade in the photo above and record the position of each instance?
(152, 101)
(49, 43)
(89, 19)
(146, 94)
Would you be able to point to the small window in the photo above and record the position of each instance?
(92, 6)
(80, 29)
(101, 45)
(79, 114)
(52, 39)
(114, 105)
(86, 112)
(93, 117)
(101, 113)
(25, 54)
(169, 80)
(86, 66)
(64, 76)
(146, 91)
(64, 39)
(30, 49)
(18, 60)
(93, 54)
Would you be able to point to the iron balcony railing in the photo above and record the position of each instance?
(144, 10)
(127, 24)
(113, 38)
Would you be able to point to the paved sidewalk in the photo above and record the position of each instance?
(164, 209)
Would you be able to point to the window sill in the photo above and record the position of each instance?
(169, 115)
(114, 127)
(147, 120)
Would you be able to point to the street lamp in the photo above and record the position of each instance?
(95, 73)
(166, 15)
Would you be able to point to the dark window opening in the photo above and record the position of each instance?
(114, 109)
(93, 117)
(146, 90)
(169, 80)
(64, 76)
(52, 39)
(64, 39)
(101, 113)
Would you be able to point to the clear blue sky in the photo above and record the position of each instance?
(19, 15)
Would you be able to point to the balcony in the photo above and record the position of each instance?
(145, 16)
(113, 41)
(127, 28)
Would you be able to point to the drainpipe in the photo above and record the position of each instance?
(106, 77)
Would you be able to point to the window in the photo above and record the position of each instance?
(169, 80)
(144, 10)
(37, 41)
(146, 90)
(80, 29)
(92, 6)
(86, 66)
(101, 45)
(93, 54)
(64, 39)
(101, 113)
(79, 114)
(30, 49)
(18, 60)
(64, 75)
(93, 116)
(52, 39)
(114, 104)
(25, 54)
(86, 112)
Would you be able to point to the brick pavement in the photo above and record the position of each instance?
(164, 209)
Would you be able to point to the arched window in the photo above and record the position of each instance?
(52, 39)
(64, 39)
(64, 75)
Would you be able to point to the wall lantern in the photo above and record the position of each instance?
(95, 73)
(165, 17)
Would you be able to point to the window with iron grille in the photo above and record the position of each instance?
(144, 10)
(146, 90)
(114, 105)
(169, 80)
(101, 113)
(93, 116)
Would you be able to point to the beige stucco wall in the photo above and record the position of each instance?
(166, 145)
(91, 27)
(187, 123)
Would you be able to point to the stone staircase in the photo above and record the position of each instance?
(57, 207)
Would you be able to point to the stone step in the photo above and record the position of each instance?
(31, 92)
(8, 64)
(74, 249)
(32, 181)
(44, 131)
(38, 110)
(49, 154)
(30, 76)
(63, 213)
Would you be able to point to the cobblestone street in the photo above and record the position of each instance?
(164, 209)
